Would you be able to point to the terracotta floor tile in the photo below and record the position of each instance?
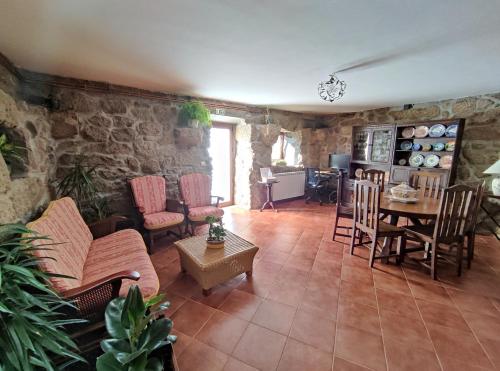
(175, 301)
(361, 316)
(289, 293)
(403, 356)
(360, 347)
(358, 293)
(274, 316)
(441, 314)
(340, 364)
(492, 348)
(256, 285)
(406, 329)
(459, 346)
(181, 343)
(323, 300)
(323, 282)
(299, 357)
(222, 332)
(260, 347)
(473, 303)
(275, 256)
(356, 275)
(299, 262)
(430, 292)
(484, 326)
(215, 299)
(234, 365)
(201, 357)
(184, 286)
(291, 274)
(313, 330)
(397, 303)
(191, 316)
(241, 304)
(391, 283)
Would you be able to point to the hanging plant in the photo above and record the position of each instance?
(195, 114)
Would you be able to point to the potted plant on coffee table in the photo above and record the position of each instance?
(140, 335)
(216, 232)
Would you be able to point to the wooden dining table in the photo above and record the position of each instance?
(425, 208)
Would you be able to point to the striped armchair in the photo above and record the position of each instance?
(157, 212)
(195, 191)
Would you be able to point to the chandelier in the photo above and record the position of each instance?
(332, 89)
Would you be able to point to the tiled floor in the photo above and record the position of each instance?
(312, 306)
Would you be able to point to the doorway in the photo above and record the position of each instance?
(221, 151)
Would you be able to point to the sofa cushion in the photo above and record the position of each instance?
(63, 223)
(122, 250)
(162, 220)
(149, 193)
(198, 214)
(195, 189)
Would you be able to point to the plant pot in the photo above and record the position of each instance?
(215, 244)
(194, 123)
(166, 354)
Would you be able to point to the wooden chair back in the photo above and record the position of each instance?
(427, 183)
(476, 206)
(375, 176)
(454, 214)
(366, 206)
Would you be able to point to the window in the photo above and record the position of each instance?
(286, 150)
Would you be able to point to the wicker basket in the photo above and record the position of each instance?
(215, 244)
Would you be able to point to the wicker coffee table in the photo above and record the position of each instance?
(210, 267)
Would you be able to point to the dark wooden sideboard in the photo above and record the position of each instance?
(379, 147)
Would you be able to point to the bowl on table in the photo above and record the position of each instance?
(404, 193)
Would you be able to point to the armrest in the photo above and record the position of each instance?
(175, 206)
(218, 199)
(112, 279)
(106, 226)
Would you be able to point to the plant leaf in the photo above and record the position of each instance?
(107, 362)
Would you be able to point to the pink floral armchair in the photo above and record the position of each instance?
(158, 213)
(195, 191)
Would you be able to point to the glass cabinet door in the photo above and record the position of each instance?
(360, 145)
(381, 145)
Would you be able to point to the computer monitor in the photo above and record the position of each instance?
(340, 162)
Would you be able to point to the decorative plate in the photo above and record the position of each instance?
(408, 132)
(358, 173)
(431, 161)
(421, 131)
(406, 145)
(451, 131)
(416, 147)
(416, 160)
(402, 162)
(438, 146)
(450, 146)
(437, 130)
(427, 147)
(446, 161)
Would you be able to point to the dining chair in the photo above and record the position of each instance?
(366, 221)
(450, 228)
(375, 176)
(342, 209)
(427, 183)
(472, 225)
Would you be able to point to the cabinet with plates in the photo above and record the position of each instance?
(399, 149)
(430, 145)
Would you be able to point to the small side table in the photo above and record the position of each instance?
(269, 201)
(490, 214)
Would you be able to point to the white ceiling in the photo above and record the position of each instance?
(265, 52)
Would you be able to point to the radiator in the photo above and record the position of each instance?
(290, 185)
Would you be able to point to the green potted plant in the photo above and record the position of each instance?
(140, 337)
(11, 153)
(216, 232)
(31, 320)
(195, 114)
(79, 184)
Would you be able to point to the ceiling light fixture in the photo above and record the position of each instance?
(332, 89)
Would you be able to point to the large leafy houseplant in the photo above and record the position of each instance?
(10, 151)
(79, 184)
(137, 331)
(195, 112)
(31, 313)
